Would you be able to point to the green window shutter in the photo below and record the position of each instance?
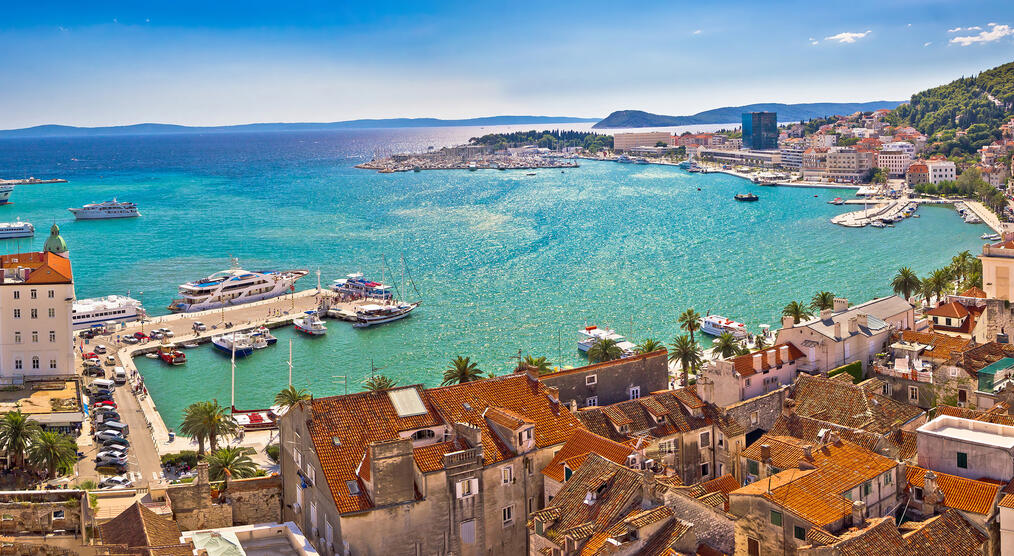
(776, 518)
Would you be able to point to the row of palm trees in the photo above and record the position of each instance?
(23, 439)
(800, 311)
(964, 272)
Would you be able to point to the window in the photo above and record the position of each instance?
(35, 361)
(704, 470)
(17, 337)
(17, 294)
(52, 363)
(667, 447)
(847, 494)
(754, 418)
(17, 363)
(635, 392)
(747, 382)
(721, 469)
(507, 474)
(591, 400)
(508, 515)
(888, 478)
(886, 389)
(423, 434)
(52, 312)
(962, 460)
(310, 473)
(353, 487)
(52, 335)
(705, 439)
(57, 514)
(467, 530)
(752, 467)
(720, 440)
(297, 458)
(867, 488)
(917, 493)
(776, 518)
(799, 533)
(591, 379)
(52, 294)
(35, 313)
(328, 533)
(466, 488)
(913, 393)
(954, 372)
(17, 313)
(34, 294)
(531, 504)
(35, 336)
(962, 396)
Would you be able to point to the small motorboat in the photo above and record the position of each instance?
(151, 355)
(265, 334)
(310, 324)
(878, 224)
(746, 197)
(189, 345)
(836, 201)
(170, 355)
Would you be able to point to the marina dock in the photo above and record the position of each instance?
(889, 209)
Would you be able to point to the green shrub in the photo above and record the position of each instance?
(854, 369)
(186, 456)
(272, 452)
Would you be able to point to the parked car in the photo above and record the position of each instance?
(99, 349)
(109, 459)
(104, 416)
(155, 335)
(120, 481)
(89, 355)
(87, 334)
(120, 375)
(104, 436)
(199, 326)
(140, 336)
(105, 403)
(117, 426)
(129, 340)
(94, 370)
(110, 453)
(117, 450)
(168, 333)
(102, 398)
(110, 360)
(115, 441)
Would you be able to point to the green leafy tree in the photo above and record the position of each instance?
(376, 383)
(51, 450)
(759, 342)
(462, 370)
(16, 433)
(690, 321)
(935, 284)
(231, 462)
(650, 345)
(725, 345)
(605, 349)
(821, 301)
(797, 311)
(290, 396)
(688, 353)
(906, 282)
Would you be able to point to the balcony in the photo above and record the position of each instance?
(463, 457)
(915, 375)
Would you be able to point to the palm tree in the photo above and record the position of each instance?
(289, 397)
(16, 432)
(758, 342)
(961, 264)
(905, 282)
(936, 283)
(376, 383)
(462, 370)
(687, 352)
(231, 462)
(649, 346)
(207, 421)
(725, 345)
(52, 450)
(540, 364)
(821, 301)
(605, 349)
(797, 311)
(690, 321)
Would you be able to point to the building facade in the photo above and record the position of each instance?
(612, 382)
(760, 131)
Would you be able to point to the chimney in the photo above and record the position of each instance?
(706, 388)
(858, 514)
(825, 314)
(771, 357)
(840, 304)
(837, 330)
(808, 451)
(573, 406)
(789, 408)
(758, 362)
(554, 393)
(932, 496)
(532, 372)
(787, 322)
(647, 489)
(863, 320)
(783, 352)
(833, 438)
(853, 325)
(765, 453)
(202, 473)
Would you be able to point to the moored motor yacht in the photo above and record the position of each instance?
(234, 287)
(372, 315)
(310, 324)
(716, 325)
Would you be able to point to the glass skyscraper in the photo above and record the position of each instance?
(760, 131)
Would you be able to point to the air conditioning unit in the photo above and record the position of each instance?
(296, 507)
(962, 404)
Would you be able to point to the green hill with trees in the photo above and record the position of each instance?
(552, 139)
(977, 105)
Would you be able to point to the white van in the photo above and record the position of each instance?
(120, 375)
(115, 426)
(102, 383)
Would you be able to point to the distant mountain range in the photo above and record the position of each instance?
(151, 129)
(734, 114)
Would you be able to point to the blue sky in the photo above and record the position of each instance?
(213, 63)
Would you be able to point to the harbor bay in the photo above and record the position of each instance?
(503, 261)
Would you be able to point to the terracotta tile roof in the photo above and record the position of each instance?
(947, 533)
(431, 458)
(1007, 501)
(506, 418)
(850, 405)
(582, 443)
(744, 364)
(46, 267)
(808, 429)
(879, 536)
(141, 529)
(661, 543)
(960, 493)
(976, 358)
(904, 444)
(719, 487)
(786, 451)
(660, 414)
(595, 420)
(973, 292)
(662, 353)
(941, 346)
(997, 414)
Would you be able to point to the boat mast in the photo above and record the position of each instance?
(290, 361)
(232, 392)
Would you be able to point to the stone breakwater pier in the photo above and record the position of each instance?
(888, 210)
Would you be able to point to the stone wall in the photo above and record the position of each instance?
(759, 413)
(613, 379)
(257, 500)
(42, 512)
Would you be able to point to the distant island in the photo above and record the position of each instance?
(153, 129)
(731, 114)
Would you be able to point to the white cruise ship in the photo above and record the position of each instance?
(108, 209)
(10, 230)
(234, 287)
(102, 310)
(5, 192)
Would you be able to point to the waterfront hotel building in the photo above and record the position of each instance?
(760, 131)
(36, 297)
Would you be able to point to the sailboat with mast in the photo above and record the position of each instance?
(396, 309)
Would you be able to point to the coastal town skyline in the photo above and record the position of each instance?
(118, 64)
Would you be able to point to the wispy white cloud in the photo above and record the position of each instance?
(908, 25)
(847, 37)
(697, 31)
(927, 43)
(994, 33)
(972, 28)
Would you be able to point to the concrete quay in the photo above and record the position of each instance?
(883, 210)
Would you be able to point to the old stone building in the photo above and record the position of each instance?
(948, 533)
(43, 512)
(438, 471)
(748, 376)
(140, 531)
(860, 406)
(611, 382)
(581, 444)
(203, 505)
(692, 438)
(919, 369)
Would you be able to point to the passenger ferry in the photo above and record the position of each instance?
(717, 325)
(590, 335)
(310, 324)
(5, 192)
(372, 315)
(108, 209)
(233, 342)
(234, 287)
(103, 310)
(9, 230)
(356, 286)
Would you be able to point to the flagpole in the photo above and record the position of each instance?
(290, 362)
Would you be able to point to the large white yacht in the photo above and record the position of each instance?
(103, 310)
(5, 192)
(16, 229)
(108, 209)
(234, 287)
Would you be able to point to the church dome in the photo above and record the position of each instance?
(55, 243)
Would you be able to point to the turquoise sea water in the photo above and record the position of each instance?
(504, 261)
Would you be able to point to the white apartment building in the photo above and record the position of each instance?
(36, 299)
(895, 163)
(792, 153)
(899, 146)
(847, 164)
(626, 141)
(941, 170)
(822, 140)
